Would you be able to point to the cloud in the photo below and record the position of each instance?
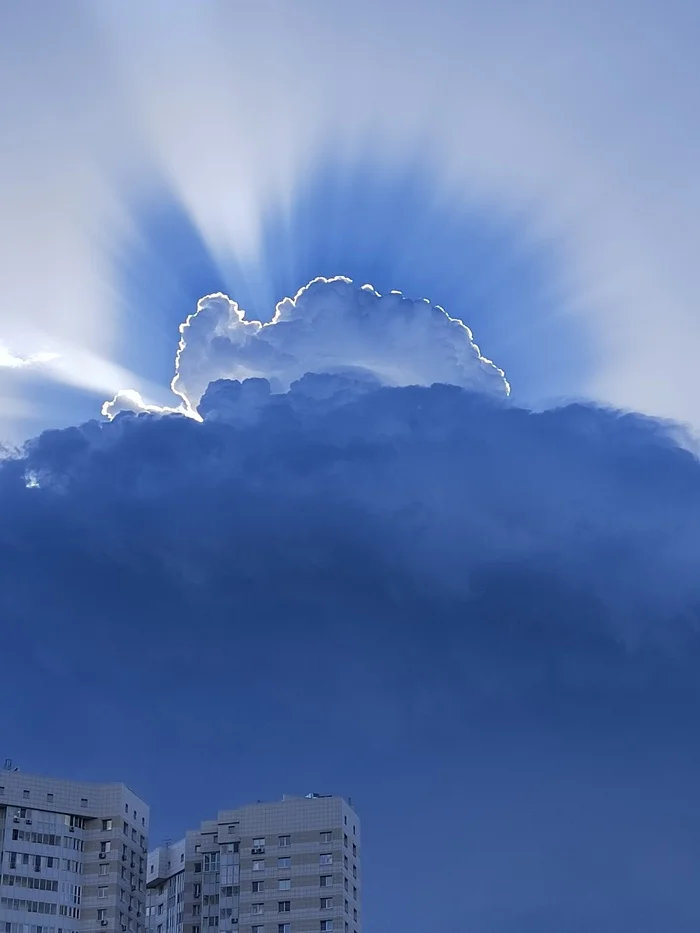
(330, 325)
(444, 482)
(9, 360)
(128, 400)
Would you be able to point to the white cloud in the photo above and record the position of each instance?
(132, 401)
(9, 360)
(330, 325)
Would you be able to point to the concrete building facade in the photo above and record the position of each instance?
(73, 856)
(291, 866)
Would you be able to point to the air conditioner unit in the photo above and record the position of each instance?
(28, 822)
(123, 928)
(15, 819)
(71, 829)
(123, 858)
(259, 850)
(103, 855)
(103, 923)
(133, 887)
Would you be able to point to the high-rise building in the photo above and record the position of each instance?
(72, 856)
(292, 866)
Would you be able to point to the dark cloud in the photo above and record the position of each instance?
(433, 587)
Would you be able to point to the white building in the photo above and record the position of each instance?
(292, 866)
(72, 856)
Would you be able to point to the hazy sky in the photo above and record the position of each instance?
(573, 126)
(434, 550)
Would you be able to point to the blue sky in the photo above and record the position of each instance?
(473, 611)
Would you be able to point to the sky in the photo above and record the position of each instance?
(348, 434)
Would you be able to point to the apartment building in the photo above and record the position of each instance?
(292, 866)
(73, 856)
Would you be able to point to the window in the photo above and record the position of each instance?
(106, 825)
(326, 881)
(354, 913)
(196, 910)
(284, 927)
(347, 907)
(211, 861)
(354, 829)
(259, 843)
(258, 886)
(104, 868)
(257, 908)
(354, 871)
(284, 907)
(345, 840)
(354, 850)
(126, 808)
(326, 859)
(25, 794)
(102, 890)
(197, 889)
(49, 798)
(284, 884)
(195, 929)
(326, 926)
(285, 841)
(258, 864)
(326, 903)
(284, 861)
(126, 829)
(102, 913)
(346, 884)
(83, 801)
(197, 867)
(160, 909)
(105, 846)
(345, 819)
(354, 892)
(232, 828)
(326, 837)
(2, 790)
(345, 861)
(257, 928)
